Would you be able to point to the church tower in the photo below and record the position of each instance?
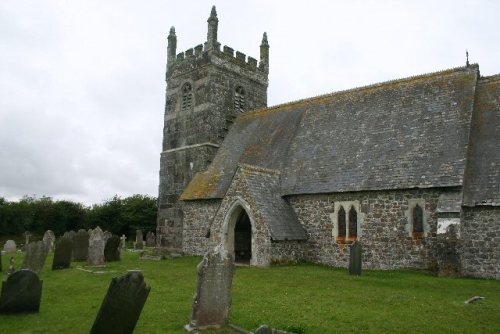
(207, 88)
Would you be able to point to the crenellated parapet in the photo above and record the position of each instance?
(212, 48)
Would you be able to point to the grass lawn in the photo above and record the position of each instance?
(305, 297)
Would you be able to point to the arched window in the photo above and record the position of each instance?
(239, 99)
(353, 224)
(187, 96)
(342, 224)
(418, 222)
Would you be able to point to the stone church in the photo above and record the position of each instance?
(410, 167)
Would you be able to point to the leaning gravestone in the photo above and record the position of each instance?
(81, 246)
(212, 301)
(139, 242)
(21, 292)
(9, 246)
(96, 248)
(112, 249)
(62, 253)
(150, 239)
(122, 305)
(107, 235)
(355, 252)
(36, 254)
(49, 239)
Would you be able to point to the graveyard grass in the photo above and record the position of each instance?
(303, 298)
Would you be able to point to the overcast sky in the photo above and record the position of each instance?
(82, 88)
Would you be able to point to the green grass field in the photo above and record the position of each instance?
(302, 298)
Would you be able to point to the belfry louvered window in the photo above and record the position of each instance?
(239, 99)
(187, 96)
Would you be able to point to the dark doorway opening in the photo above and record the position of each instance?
(243, 239)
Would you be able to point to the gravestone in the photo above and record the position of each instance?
(139, 242)
(36, 254)
(21, 292)
(69, 235)
(212, 301)
(27, 236)
(12, 269)
(62, 253)
(150, 239)
(123, 240)
(81, 246)
(112, 249)
(96, 248)
(9, 246)
(355, 252)
(49, 239)
(107, 235)
(122, 304)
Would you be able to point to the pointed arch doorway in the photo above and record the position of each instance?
(238, 234)
(243, 239)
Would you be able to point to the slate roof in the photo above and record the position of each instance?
(263, 187)
(482, 174)
(408, 133)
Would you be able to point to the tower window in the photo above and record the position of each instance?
(342, 224)
(187, 96)
(418, 222)
(239, 99)
(353, 224)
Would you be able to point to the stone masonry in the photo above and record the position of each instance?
(201, 85)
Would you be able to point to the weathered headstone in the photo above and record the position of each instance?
(150, 239)
(212, 301)
(96, 248)
(49, 239)
(139, 242)
(355, 253)
(62, 253)
(69, 234)
(123, 240)
(9, 246)
(36, 254)
(107, 235)
(112, 249)
(81, 246)
(12, 269)
(122, 304)
(27, 236)
(21, 292)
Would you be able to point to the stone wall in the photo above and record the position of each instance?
(383, 228)
(479, 245)
(198, 216)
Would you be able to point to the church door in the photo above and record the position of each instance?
(243, 238)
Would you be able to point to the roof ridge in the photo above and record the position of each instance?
(474, 67)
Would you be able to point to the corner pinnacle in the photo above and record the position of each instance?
(264, 39)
